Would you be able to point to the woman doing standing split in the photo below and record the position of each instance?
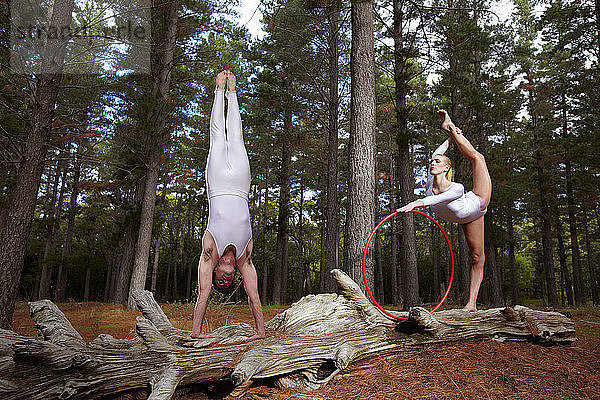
(449, 200)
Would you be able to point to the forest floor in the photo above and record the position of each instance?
(483, 369)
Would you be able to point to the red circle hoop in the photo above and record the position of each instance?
(364, 260)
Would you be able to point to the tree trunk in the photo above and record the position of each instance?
(155, 262)
(131, 235)
(435, 256)
(46, 274)
(188, 263)
(544, 210)
(393, 229)
(379, 288)
(563, 259)
(401, 79)
(21, 205)
(302, 266)
(61, 279)
(322, 267)
(88, 273)
(176, 263)
(109, 272)
(497, 297)
(306, 345)
(514, 277)
(281, 255)
(158, 238)
(167, 293)
(578, 285)
(164, 28)
(333, 208)
(590, 257)
(263, 233)
(360, 214)
(597, 7)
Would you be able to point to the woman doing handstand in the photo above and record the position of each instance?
(450, 202)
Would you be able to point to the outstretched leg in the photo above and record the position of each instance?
(482, 183)
(474, 234)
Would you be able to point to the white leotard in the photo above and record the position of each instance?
(452, 205)
(228, 178)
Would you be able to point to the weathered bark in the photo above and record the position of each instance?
(281, 253)
(307, 345)
(164, 28)
(21, 205)
(360, 214)
(514, 277)
(333, 208)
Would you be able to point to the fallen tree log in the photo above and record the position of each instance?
(306, 345)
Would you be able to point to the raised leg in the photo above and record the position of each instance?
(474, 233)
(482, 183)
(236, 150)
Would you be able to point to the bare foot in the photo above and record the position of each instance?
(254, 337)
(447, 123)
(221, 79)
(469, 308)
(230, 81)
(199, 336)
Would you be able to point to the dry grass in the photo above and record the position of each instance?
(475, 370)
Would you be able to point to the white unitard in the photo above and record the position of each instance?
(228, 178)
(453, 205)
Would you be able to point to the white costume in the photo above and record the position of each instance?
(228, 178)
(452, 205)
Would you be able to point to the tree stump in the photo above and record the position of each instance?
(306, 345)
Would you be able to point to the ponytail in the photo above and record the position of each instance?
(449, 174)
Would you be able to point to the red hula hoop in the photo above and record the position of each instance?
(364, 260)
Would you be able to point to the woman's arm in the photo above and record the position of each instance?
(454, 191)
